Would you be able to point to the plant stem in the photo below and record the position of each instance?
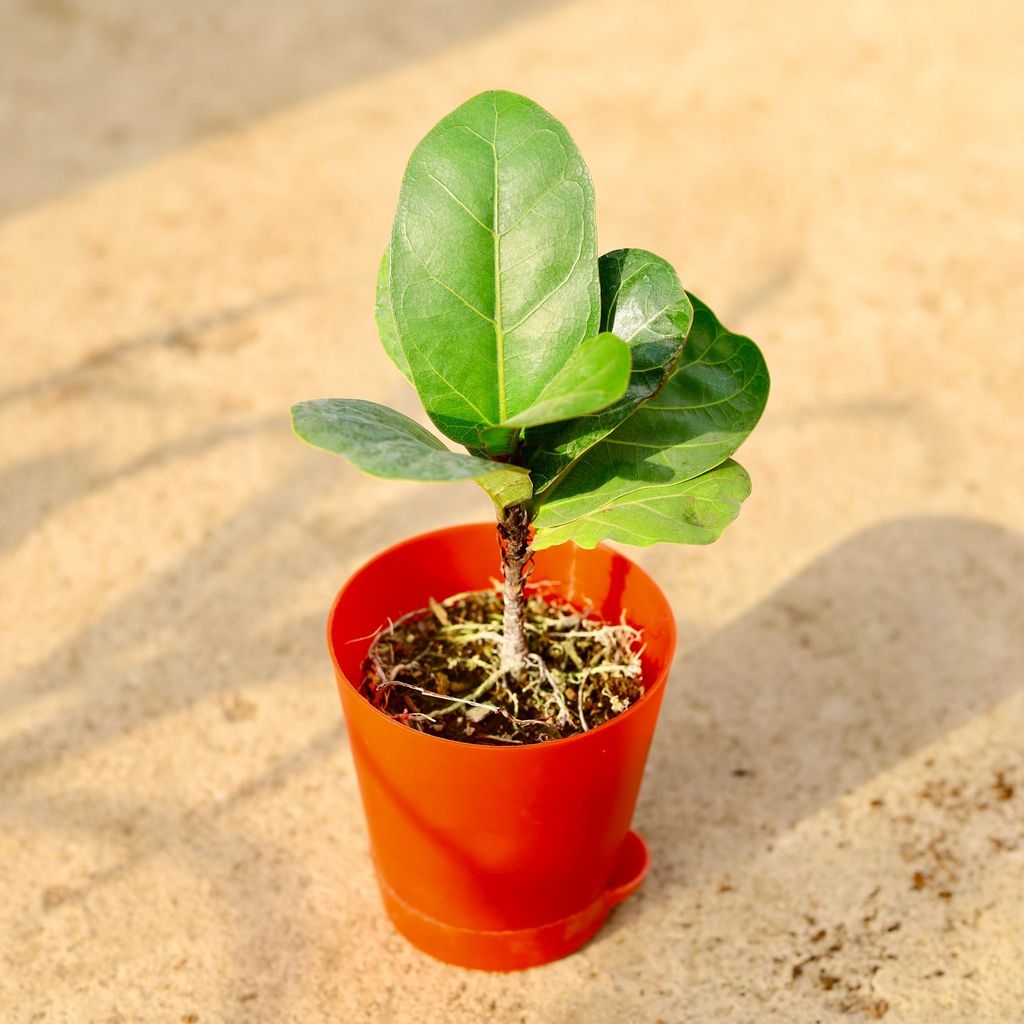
(514, 541)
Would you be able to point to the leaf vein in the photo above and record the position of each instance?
(438, 181)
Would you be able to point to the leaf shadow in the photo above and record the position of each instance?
(91, 372)
(259, 886)
(222, 618)
(152, 653)
(34, 488)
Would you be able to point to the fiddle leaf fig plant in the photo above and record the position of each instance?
(594, 397)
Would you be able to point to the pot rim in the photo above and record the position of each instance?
(499, 749)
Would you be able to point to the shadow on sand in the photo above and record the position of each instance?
(220, 620)
(900, 634)
(904, 632)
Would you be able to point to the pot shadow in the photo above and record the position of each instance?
(902, 633)
(171, 59)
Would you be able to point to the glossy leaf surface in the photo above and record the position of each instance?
(709, 405)
(493, 273)
(643, 303)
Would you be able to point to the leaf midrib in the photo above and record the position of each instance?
(499, 331)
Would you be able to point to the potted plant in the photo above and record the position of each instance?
(500, 734)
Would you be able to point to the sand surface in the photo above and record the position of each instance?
(195, 206)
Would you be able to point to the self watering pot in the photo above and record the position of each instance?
(499, 857)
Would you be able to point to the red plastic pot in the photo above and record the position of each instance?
(493, 857)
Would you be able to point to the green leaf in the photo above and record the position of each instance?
(712, 401)
(594, 376)
(507, 485)
(382, 442)
(643, 303)
(493, 280)
(693, 511)
(386, 326)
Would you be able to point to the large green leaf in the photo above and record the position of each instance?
(493, 279)
(594, 376)
(693, 511)
(709, 405)
(383, 442)
(643, 303)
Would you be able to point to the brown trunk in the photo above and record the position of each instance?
(514, 537)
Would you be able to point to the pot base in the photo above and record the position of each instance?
(524, 947)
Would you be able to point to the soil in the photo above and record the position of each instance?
(437, 670)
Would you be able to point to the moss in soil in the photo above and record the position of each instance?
(438, 671)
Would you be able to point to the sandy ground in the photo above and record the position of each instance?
(834, 801)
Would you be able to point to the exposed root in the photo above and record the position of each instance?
(440, 670)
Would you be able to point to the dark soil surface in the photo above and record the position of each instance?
(437, 670)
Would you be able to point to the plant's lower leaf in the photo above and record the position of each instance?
(382, 442)
(643, 303)
(712, 401)
(507, 485)
(693, 511)
(385, 315)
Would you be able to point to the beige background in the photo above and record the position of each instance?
(195, 201)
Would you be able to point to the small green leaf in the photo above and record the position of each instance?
(493, 280)
(693, 511)
(643, 303)
(382, 442)
(386, 327)
(712, 401)
(594, 376)
(507, 485)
